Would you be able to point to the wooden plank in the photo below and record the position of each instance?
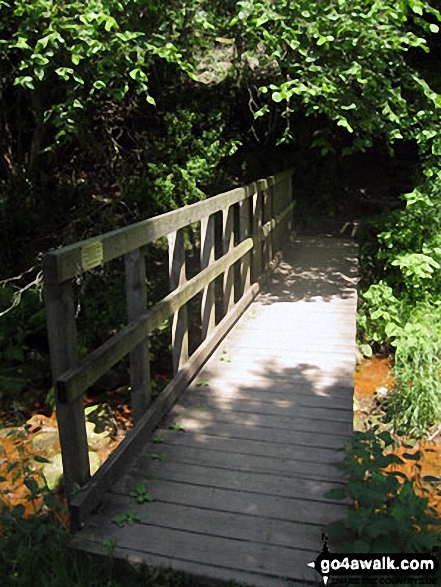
(84, 501)
(219, 523)
(244, 233)
(64, 354)
(283, 408)
(297, 510)
(67, 262)
(338, 397)
(227, 245)
(214, 468)
(207, 258)
(178, 278)
(256, 260)
(246, 447)
(208, 574)
(260, 433)
(136, 295)
(342, 428)
(232, 554)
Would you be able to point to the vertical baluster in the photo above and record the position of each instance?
(208, 293)
(244, 232)
(227, 245)
(257, 225)
(136, 296)
(177, 277)
(64, 355)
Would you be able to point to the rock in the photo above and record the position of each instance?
(53, 471)
(47, 440)
(96, 440)
(12, 432)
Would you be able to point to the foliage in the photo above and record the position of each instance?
(414, 402)
(23, 345)
(343, 61)
(388, 515)
(402, 310)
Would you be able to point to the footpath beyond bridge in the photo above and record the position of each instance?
(238, 494)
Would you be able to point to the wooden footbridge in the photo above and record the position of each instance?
(237, 449)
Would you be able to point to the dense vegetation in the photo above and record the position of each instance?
(117, 110)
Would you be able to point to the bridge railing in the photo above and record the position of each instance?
(255, 221)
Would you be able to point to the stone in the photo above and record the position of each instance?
(12, 432)
(47, 440)
(53, 471)
(96, 440)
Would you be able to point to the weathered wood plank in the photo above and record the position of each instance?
(244, 233)
(260, 433)
(202, 466)
(227, 245)
(258, 448)
(342, 428)
(178, 278)
(63, 350)
(298, 510)
(271, 561)
(136, 296)
(219, 523)
(207, 258)
(278, 407)
(256, 259)
(210, 574)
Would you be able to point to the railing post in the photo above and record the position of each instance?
(64, 355)
(208, 293)
(136, 296)
(244, 233)
(257, 225)
(267, 216)
(279, 206)
(176, 253)
(227, 244)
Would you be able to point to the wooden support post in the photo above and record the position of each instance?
(257, 224)
(176, 253)
(280, 205)
(208, 293)
(64, 355)
(136, 296)
(227, 245)
(244, 232)
(290, 199)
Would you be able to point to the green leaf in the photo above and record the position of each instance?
(434, 28)
(277, 97)
(99, 85)
(26, 81)
(32, 485)
(336, 493)
(412, 456)
(39, 459)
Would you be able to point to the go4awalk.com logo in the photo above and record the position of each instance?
(393, 565)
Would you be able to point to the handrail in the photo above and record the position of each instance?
(258, 229)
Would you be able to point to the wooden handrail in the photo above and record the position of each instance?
(258, 230)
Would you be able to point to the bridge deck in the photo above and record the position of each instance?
(239, 494)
